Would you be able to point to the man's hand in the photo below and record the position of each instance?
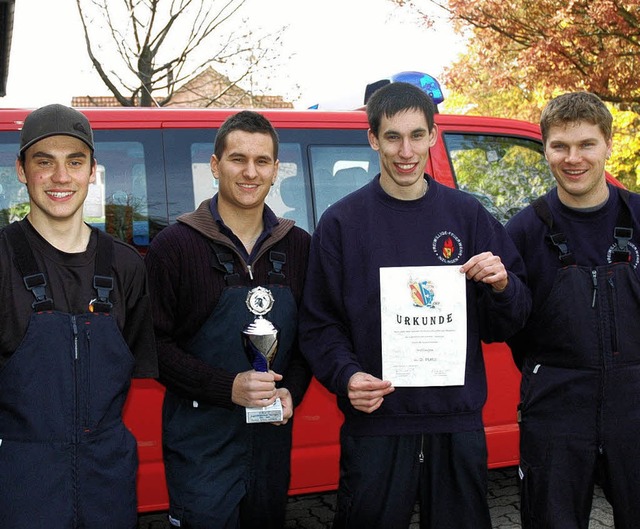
(254, 389)
(487, 268)
(287, 405)
(367, 392)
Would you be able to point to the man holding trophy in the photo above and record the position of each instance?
(225, 282)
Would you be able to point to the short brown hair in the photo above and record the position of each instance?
(573, 108)
(245, 121)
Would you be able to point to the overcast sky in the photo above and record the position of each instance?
(339, 46)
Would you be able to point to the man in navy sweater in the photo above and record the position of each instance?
(399, 444)
(580, 351)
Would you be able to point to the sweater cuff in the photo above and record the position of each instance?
(218, 390)
(507, 293)
(343, 379)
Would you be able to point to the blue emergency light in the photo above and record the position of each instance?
(424, 81)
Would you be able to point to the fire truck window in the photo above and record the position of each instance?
(505, 173)
(122, 201)
(117, 200)
(338, 170)
(287, 198)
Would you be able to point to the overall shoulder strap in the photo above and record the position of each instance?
(623, 232)
(34, 280)
(278, 260)
(558, 239)
(224, 258)
(102, 278)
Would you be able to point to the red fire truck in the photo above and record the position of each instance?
(154, 165)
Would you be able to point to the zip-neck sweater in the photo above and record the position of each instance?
(186, 282)
(340, 322)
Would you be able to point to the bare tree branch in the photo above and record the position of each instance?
(143, 50)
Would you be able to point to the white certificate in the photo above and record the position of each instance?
(424, 325)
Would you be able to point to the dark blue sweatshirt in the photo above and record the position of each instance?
(340, 316)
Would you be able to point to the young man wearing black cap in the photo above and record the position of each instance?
(75, 327)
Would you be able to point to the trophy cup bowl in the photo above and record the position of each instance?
(260, 340)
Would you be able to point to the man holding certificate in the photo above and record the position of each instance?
(405, 278)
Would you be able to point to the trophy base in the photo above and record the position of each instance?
(271, 413)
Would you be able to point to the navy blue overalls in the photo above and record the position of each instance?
(221, 472)
(580, 393)
(66, 458)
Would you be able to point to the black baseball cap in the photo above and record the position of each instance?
(54, 120)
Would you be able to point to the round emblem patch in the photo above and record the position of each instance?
(448, 247)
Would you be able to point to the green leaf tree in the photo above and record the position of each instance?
(523, 52)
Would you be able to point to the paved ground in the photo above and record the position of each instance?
(504, 503)
(315, 511)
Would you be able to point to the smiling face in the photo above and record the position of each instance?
(57, 171)
(245, 171)
(577, 153)
(403, 143)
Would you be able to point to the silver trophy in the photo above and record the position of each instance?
(260, 340)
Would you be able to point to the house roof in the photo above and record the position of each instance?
(6, 31)
(209, 89)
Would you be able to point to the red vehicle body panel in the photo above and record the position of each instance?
(317, 420)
